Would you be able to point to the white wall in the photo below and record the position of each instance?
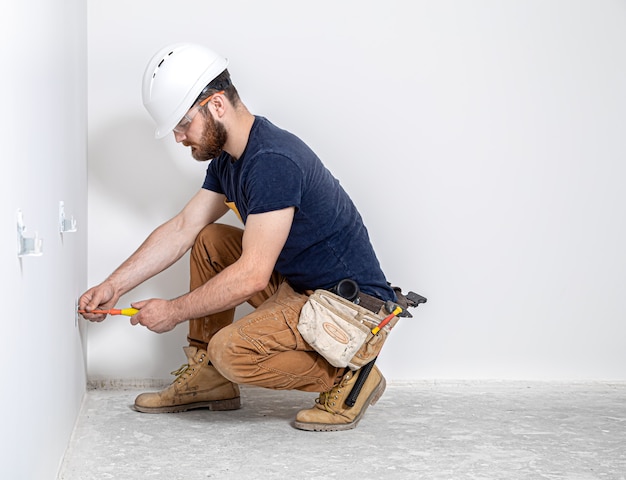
(43, 145)
(483, 142)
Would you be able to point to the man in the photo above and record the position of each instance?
(301, 232)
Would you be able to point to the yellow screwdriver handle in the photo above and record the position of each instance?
(395, 312)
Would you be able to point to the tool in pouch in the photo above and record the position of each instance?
(348, 334)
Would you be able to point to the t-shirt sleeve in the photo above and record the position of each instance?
(211, 179)
(273, 183)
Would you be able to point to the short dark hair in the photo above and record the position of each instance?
(219, 83)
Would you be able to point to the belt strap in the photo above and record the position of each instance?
(373, 304)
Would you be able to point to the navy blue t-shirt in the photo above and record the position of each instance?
(328, 240)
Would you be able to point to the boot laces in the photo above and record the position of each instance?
(180, 372)
(329, 399)
(186, 369)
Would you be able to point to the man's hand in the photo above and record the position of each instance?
(156, 315)
(99, 297)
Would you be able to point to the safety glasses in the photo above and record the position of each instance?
(183, 125)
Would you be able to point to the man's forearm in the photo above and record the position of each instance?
(163, 247)
(232, 287)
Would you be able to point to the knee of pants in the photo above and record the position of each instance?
(220, 351)
(217, 234)
(215, 248)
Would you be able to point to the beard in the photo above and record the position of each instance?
(212, 141)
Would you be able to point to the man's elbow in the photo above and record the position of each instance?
(256, 282)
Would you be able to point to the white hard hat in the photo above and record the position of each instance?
(174, 79)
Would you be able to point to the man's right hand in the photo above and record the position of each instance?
(99, 297)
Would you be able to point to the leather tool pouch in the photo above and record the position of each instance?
(340, 330)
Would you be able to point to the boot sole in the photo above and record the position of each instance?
(214, 405)
(339, 427)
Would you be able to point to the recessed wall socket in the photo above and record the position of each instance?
(65, 225)
(27, 246)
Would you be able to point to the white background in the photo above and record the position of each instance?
(484, 143)
(43, 148)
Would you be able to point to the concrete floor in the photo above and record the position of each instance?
(427, 430)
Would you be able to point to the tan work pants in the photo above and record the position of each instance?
(263, 348)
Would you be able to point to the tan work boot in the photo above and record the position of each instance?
(330, 413)
(197, 385)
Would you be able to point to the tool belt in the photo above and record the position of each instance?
(341, 331)
(346, 328)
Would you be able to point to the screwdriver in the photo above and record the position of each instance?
(387, 319)
(129, 312)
